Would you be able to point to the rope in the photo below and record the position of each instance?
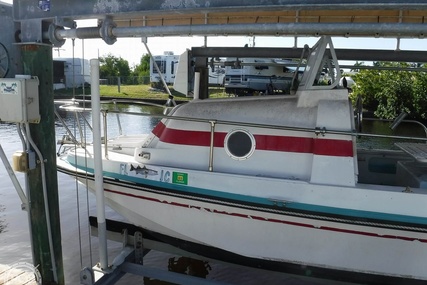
(75, 157)
(78, 205)
(85, 142)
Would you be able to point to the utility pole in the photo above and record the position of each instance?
(37, 61)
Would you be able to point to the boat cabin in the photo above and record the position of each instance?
(285, 136)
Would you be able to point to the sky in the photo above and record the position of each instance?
(132, 49)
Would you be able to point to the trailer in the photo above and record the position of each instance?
(70, 72)
(246, 76)
(166, 64)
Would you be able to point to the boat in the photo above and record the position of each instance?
(275, 182)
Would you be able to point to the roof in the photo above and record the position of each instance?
(124, 18)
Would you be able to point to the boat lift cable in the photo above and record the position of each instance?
(77, 184)
(79, 223)
(171, 101)
(84, 132)
(73, 69)
(75, 144)
(83, 135)
(294, 83)
(118, 118)
(83, 69)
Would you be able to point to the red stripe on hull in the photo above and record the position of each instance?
(318, 146)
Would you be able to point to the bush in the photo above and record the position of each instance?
(389, 92)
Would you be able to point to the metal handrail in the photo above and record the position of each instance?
(214, 123)
(318, 131)
(402, 121)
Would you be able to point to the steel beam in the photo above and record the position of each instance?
(342, 54)
(111, 32)
(308, 29)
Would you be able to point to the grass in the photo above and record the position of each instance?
(134, 92)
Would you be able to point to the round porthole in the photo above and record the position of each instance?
(239, 144)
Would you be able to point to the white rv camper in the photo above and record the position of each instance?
(69, 72)
(244, 76)
(167, 64)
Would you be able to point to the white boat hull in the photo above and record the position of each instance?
(273, 234)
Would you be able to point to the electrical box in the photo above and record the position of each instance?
(19, 99)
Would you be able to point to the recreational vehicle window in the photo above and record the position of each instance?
(58, 71)
(162, 66)
(172, 67)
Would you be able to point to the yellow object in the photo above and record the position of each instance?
(19, 161)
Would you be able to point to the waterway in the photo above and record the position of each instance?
(79, 248)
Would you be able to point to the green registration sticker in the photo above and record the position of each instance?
(180, 178)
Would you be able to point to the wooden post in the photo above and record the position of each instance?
(37, 61)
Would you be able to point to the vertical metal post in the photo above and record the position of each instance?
(97, 154)
(196, 90)
(211, 147)
(37, 61)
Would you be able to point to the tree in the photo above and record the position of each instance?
(392, 91)
(143, 68)
(356, 65)
(396, 92)
(366, 86)
(111, 65)
(420, 94)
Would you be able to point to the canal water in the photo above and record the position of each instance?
(79, 248)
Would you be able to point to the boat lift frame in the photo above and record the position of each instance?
(138, 242)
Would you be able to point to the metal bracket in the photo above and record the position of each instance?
(66, 22)
(139, 248)
(87, 277)
(52, 35)
(320, 131)
(106, 31)
(31, 31)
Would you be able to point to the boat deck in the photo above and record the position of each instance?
(11, 275)
(416, 150)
